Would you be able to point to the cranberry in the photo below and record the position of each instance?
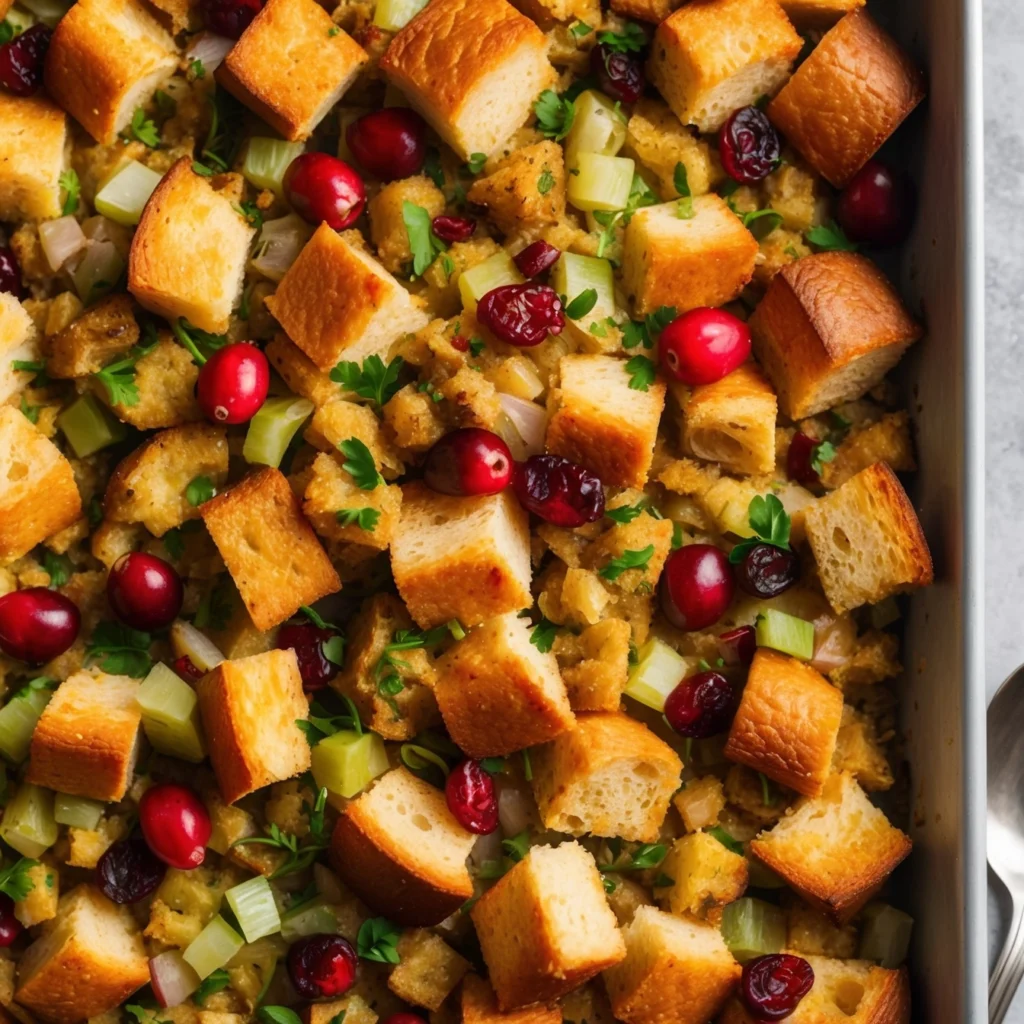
(404, 1018)
(323, 189)
(877, 206)
(185, 668)
(749, 146)
(307, 641)
(773, 985)
(766, 571)
(144, 591)
(472, 798)
(21, 60)
(561, 492)
(521, 314)
(233, 383)
(468, 461)
(453, 229)
(129, 871)
(800, 458)
(700, 706)
(697, 586)
(10, 273)
(230, 17)
(536, 258)
(737, 646)
(175, 824)
(37, 624)
(618, 74)
(322, 966)
(703, 345)
(390, 143)
(10, 926)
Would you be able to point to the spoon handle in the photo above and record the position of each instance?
(1009, 968)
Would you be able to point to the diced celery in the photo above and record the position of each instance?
(170, 714)
(658, 671)
(603, 182)
(597, 127)
(20, 20)
(885, 613)
(347, 762)
(391, 15)
(574, 274)
(785, 633)
(123, 195)
(49, 12)
(18, 719)
(495, 271)
(885, 935)
(28, 824)
(316, 919)
(89, 427)
(213, 947)
(266, 160)
(752, 928)
(271, 430)
(76, 811)
(252, 903)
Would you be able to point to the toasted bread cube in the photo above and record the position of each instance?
(19, 340)
(249, 707)
(596, 682)
(828, 329)
(101, 335)
(787, 722)
(601, 422)
(676, 971)
(291, 65)
(848, 97)
(867, 540)
(269, 547)
(859, 752)
(40, 903)
(480, 1006)
(337, 302)
(610, 776)
(655, 11)
(461, 558)
(498, 693)
(818, 14)
(886, 441)
(106, 59)
(189, 252)
(298, 371)
(656, 139)
(400, 849)
(706, 260)
(715, 56)
(429, 969)
(38, 493)
(355, 1008)
(166, 380)
(526, 189)
(705, 875)
(33, 137)
(340, 419)
(700, 803)
(388, 231)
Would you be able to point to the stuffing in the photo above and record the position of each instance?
(525, 190)
(388, 230)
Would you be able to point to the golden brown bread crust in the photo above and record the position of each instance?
(511, 193)
(5, 6)
(654, 11)
(480, 1006)
(299, 372)
(105, 331)
(819, 14)
(848, 97)
(33, 135)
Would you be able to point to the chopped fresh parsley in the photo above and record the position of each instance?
(820, 454)
(580, 306)
(359, 463)
(378, 940)
(118, 379)
(432, 167)
(770, 523)
(364, 518)
(277, 1015)
(211, 983)
(632, 39)
(643, 858)
(762, 223)
(684, 206)
(227, 124)
(476, 346)
(251, 212)
(627, 513)
(830, 237)
(120, 650)
(30, 412)
(143, 129)
(494, 765)
(646, 332)
(199, 343)
(57, 567)
(300, 855)
(322, 722)
(425, 245)
(36, 366)
(6, 32)
(385, 672)
(627, 560)
(726, 840)
(199, 490)
(475, 163)
(14, 881)
(580, 29)
(196, 69)
(424, 763)
(641, 373)
(69, 182)
(94, 512)
(546, 181)
(448, 266)
(542, 636)
(554, 115)
(332, 32)
(426, 387)
(767, 796)
(373, 380)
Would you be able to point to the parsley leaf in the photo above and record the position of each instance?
(632, 39)
(642, 373)
(374, 380)
(196, 340)
(830, 237)
(554, 115)
(475, 163)
(6, 32)
(425, 245)
(173, 543)
(300, 854)
(726, 840)
(580, 29)
(118, 379)
(518, 846)
(251, 212)
(14, 881)
(68, 181)
(627, 513)
(385, 672)
(359, 463)
(199, 490)
(121, 651)
(627, 560)
(770, 523)
(196, 69)
(30, 412)
(476, 346)
(36, 366)
(644, 857)
(211, 983)
(493, 765)
(767, 796)
(322, 722)
(820, 454)
(546, 181)
(364, 518)
(582, 304)
(767, 220)
(277, 1015)
(542, 636)
(640, 195)
(378, 940)
(57, 567)
(684, 207)
(432, 167)
(143, 129)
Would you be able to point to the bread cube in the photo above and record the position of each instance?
(249, 707)
(545, 927)
(33, 137)
(706, 260)
(676, 971)
(86, 964)
(887, 441)
(38, 493)
(610, 776)
(19, 340)
(102, 334)
(339, 419)
(291, 66)
(656, 139)
(461, 558)
(700, 803)
(847, 98)
(596, 681)
(166, 379)
(601, 422)
(836, 849)
(40, 902)
(705, 874)
(106, 59)
(298, 371)
(269, 547)
(818, 14)
(787, 722)
(654, 11)
(828, 329)
(867, 540)
(400, 849)
(388, 231)
(480, 1006)
(859, 752)
(337, 302)
(429, 969)
(525, 190)
(355, 1008)
(472, 68)
(713, 57)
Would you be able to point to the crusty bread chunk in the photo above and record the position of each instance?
(818, 14)
(848, 97)
(547, 12)
(498, 693)
(888, 440)
(595, 682)
(299, 372)
(712, 57)
(656, 139)
(400, 849)
(828, 329)
(705, 260)
(38, 493)
(388, 231)
(189, 252)
(337, 302)
(461, 558)
(472, 68)
(33, 133)
(867, 540)
(676, 971)
(835, 849)
(480, 1006)
(106, 59)
(86, 963)
(339, 419)
(526, 189)
(355, 1008)
(705, 874)
(269, 547)
(787, 722)
(249, 707)
(654, 11)
(102, 334)
(19, 340)
(429, 969)
(610, 776)
(291, 66)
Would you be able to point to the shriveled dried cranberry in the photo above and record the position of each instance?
(322, 966)
(773, 985)
(472, 798)
(700, 706)
(521, 314)
(749, 146)
(21, 60)
(536, 258)
(766, 571)
(404, 1018)
(453, 229)
(129, 871)
(561, 492)
(307, 641)
(877, 206)
(697, 586)
(10, 273)
(800, 459)
(737, 646)
(10, 926)
(186, 668)
(230, 17)
(468, 461)
(620, 75)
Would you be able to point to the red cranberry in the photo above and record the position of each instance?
(700, 706)
(129, 871)
(175, 824)
(37, 624)
(404, 1018)
(185, 668)
(703, 345)
(233, 383)
(737, 646)
(10, 273)
(21, 60)
(697, 586)
(390, 143)
(536, 258)
(468, 461)
(800, 458)
(10, 926)
(322, 966)
(561, 492)
(453, 229)
(144, 591)
(472, 798)
(766, 571)
(307, 641)
(323, 189)
(460, 343)
(521, 314)
(876, 207)
(230, 17)
(773, 985)
(749, 146)
(620, 75)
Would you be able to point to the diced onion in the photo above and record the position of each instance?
(188, 642)
(209, 48)
(49, 12)
(173, 980)
(834, 642)
(515, 809)
(98, 271)
(279, 245)
(61, 239)
(529, 419)
(487, 847)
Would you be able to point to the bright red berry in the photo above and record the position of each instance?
(697, 586)
(472, 797)
(389, 143)
(233, 383)
(175, 824)
(10, 273)
(536, 258)
(144, 591)
(700, 706)
(521, 314)
(404, 1018)
(21, 60)
(749, 146)
(773, 985)
(37, 624)
(800, 459)
(619, 75)
(453, 229)
(561, 492)
(323, 189)
(737, 646)
(186, 668)
(307, 641)
(877, 206)
(703, 346)
(322, 966)
(10, 926)
(468, 461)
(230, 17)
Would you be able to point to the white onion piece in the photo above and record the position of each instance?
(172, 978)
(486, 848)
(279, 244)
(61, 239)
(529, 419)
(515, 809)
(834, 642)
(186, 640)
(209, 48)
(98, 270)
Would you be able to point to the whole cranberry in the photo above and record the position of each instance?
(322, 966)
(323, 189)
(536, 258)
(233, 383)
(37, 624)
(175, 824)
(404, 1018)
(307, 641)
(521, 314)
(703, 346)
(620, 75)
(129, 871)
(10, 273)
(773, 985)
(767, 571)
(700, 706)
(186, 668)
(21, 60)
(749, 146)
(472, 798)
(561, 492)
(10, 926)
(468, 461)
(144, 591)
(877, 206)
(453, 229)
(697, 586)
(800, 459)
(737, 646)
(390, 143)
(230, 17)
